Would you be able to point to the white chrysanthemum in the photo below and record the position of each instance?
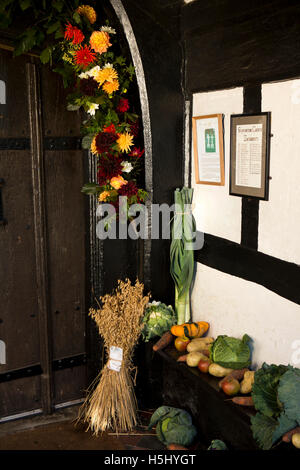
(84, 75)
(108, 29)
(126, 167)
(92, 108)
(92, 72)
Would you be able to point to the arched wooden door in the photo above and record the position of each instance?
(42, 242)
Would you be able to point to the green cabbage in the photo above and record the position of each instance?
(173, 426)
(230, 352)
(275, 394)
(157, 320)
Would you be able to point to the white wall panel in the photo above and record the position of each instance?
(215, 211)
(279, 218)
(234, 306)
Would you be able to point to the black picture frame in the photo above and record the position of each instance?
(246, 190)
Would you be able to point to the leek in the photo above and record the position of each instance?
(181, 252)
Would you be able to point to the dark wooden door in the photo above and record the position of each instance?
(42, 242)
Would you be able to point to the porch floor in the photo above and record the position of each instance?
(58, 432)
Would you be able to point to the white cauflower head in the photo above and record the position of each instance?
(154, 303)
(126, 167)
(92, 108)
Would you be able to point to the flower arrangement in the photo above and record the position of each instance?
(85, 53)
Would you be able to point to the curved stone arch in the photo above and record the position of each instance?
(137, 61)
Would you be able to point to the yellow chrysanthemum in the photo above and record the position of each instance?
(103, 196)
(88, 12)
(108, 74)
(99, 41)
(125, 141)
(93, 147)
(117, 182)
(110, 87)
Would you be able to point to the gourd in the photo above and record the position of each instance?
(190, 330)
(218, 371)
(247, 382)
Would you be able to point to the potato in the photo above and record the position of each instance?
(296, 440)
(247, 382)
(191, 347)
(193, 358)
(205, 340)
(218, 371)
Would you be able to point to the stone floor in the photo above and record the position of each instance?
(60, 432)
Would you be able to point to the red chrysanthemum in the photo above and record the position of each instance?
(134, 128)
(72, 32)
(137, 152)
(110, 128)
(123, 105)
(104, 141)
(84, 56)
(129, 189)
(88, 86)
(109, 167)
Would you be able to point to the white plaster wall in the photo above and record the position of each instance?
(279, 218)
(215, 211)
(234, 306)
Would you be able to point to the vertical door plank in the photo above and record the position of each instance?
(38, 179)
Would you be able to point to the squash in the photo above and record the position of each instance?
(190, 330)
(218, 371)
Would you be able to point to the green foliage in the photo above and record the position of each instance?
(173, 426)
(231, 352)
(275, 394)
(216, 444)
(264, 390)
(157, 320)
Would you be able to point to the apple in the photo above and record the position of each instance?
(203, 365)
(231, 386)
(181, 343)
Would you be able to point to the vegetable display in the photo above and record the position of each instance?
(275, 393)
(173, 426)
(158, 319)
(181, 252)
(231, 352)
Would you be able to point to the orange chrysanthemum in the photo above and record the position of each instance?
(125, 142)
(88, 12)
(94, 147)
(117, 182)
(99, 41)
(107, 74)
(110, 87)
(84, 56)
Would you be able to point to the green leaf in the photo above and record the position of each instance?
(73, 107)
(267, 430)
(24, 4)
(91, 188)
(86, 142)
(289, 393)
(45, 55)
(76, 17)
(53, 27)
(263, 428)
